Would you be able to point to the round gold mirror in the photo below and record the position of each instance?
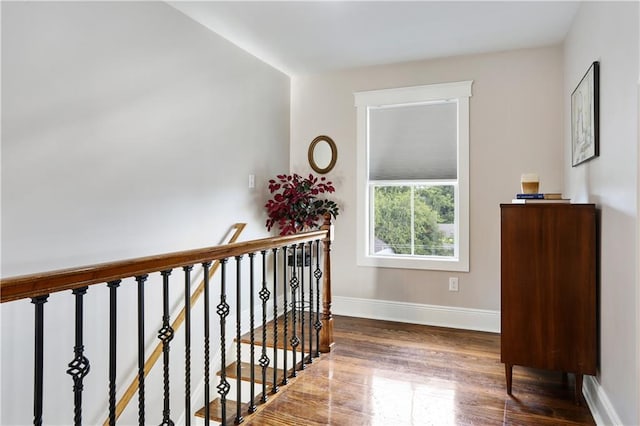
(323, 154)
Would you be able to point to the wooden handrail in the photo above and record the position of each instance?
(155, 355)
(26, 286)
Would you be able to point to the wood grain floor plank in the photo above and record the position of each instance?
(386, 373)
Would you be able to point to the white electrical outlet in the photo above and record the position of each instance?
(252, 181)
(453, 283)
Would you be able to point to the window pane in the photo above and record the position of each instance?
(392, 212)
(431, 231)
(435, 220)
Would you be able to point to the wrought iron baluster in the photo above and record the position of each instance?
(165, 334)
(285, 316)
(252, 362)
(300, 307)
(264, 296)
(223, 312)
(293, 285)
(310, 270)
(38, 364)
(207, 331)
(79, 367)
(274, 388)
(317, 274)
(187, 342)
(239, 418)
(141, 279)
(113, 311)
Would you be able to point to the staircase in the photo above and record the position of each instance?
(263, 379)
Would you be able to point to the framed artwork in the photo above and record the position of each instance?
(585, 104)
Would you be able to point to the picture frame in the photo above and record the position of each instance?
(585, 117)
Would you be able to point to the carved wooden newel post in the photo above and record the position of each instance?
(326, 332)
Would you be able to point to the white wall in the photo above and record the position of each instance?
(515, 127)
(608, 32)
(128, 130)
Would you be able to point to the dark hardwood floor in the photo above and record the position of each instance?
(387, 373)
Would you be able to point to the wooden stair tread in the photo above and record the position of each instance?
(215, 410)
(245, 372)
(246, 338)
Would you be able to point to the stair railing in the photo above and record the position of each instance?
(38, 287)
(162, 346)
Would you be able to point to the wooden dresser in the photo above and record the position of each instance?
(548, 288)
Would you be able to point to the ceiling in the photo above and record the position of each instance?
(303, 37)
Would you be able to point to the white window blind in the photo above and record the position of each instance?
(413, 141)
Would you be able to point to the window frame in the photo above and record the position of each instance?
(364, 101)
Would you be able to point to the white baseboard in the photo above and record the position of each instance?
(601, 409)
(441, 316)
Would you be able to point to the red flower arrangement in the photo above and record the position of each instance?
(295, 204)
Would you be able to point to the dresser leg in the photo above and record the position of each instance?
(508, 371)
(578, 391)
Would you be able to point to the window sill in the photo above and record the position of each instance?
(425, 263)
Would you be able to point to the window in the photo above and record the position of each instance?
(413, 177)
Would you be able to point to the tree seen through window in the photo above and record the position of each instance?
(415, 219)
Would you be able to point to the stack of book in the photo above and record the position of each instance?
(549, 197)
